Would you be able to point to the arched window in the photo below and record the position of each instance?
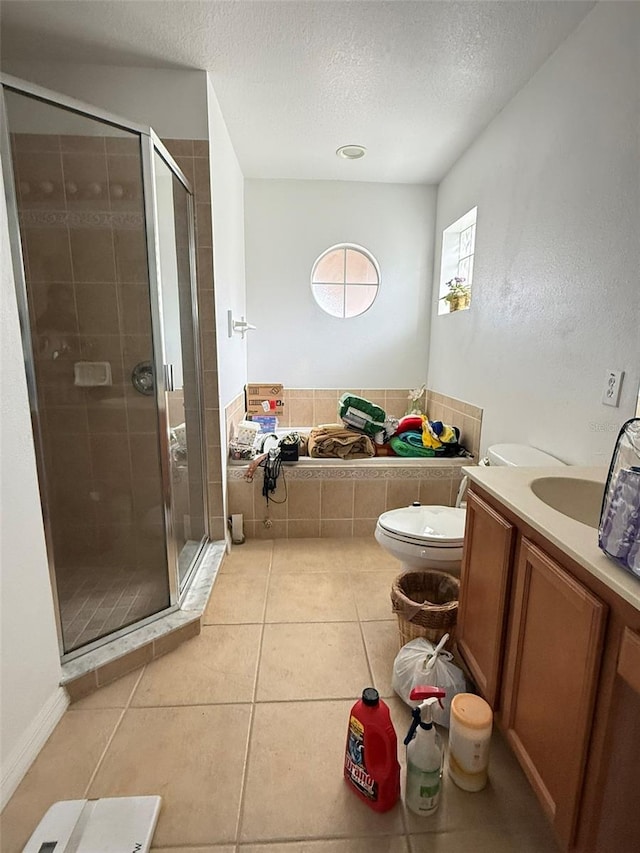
(345, 280)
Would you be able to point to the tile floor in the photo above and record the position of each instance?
(241, 730)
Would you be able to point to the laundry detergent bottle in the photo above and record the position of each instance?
(425, 754)
(371, 766)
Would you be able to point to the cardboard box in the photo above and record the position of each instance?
(258, 395)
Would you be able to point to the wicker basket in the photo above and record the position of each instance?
(426, 604)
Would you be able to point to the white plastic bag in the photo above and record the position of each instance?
(420, 662)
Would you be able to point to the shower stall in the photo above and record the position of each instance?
(103, 246)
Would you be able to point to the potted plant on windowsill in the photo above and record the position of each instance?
(459, 295)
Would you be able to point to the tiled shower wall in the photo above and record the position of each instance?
(192, 156)
(81, 209)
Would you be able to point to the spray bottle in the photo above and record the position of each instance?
(425, 754)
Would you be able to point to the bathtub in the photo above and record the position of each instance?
(338, 497)
(375, 461)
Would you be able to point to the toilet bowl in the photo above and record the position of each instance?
(431, 537)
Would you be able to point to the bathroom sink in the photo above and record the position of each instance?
(572, 496)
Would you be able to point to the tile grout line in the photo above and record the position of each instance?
(113, 734)
(252, 714)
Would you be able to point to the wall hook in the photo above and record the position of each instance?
(240, 326)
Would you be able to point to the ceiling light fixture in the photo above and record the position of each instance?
(351, 152)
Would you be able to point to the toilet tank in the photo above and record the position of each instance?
(521, 456)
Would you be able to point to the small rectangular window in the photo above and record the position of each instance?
(456, 266)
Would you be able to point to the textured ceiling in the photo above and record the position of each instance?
(414, 82)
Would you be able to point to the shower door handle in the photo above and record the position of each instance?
(168, 377)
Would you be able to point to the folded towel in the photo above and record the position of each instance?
(332, 441)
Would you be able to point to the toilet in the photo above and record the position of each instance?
(431, 537)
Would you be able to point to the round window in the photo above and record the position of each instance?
(345, 280)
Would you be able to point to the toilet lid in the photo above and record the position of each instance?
(437, 524)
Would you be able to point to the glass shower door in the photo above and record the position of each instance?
(174, 225)
(87, 329)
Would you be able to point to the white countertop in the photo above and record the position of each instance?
(511, 487)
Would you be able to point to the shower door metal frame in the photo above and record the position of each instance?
(149, 141)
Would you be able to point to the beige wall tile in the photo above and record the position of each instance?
(278, 530)
(304, 499)
(300, 412)
(82, 686)
(203, 225)
(169, 642)
(364, 526)
(127, 663)
(303, 528)
(435, 492)
(319, 597)
(370, 498)
(53, 776)
(114, 695)
(311, 661)
(324, 805)
(336, 528)
(92, 253)
(336, 499)
(48, 254)
(298, 394)
(325, 411)
(241, 499)
(402, 493)
(200, 786)
(200, 671)
(325, 394)
(179, 147)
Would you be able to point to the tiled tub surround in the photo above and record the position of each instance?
(331, 498)
(85, 262)
(242, 729)
(338, 499)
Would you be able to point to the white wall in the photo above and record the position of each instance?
(227, 202)
(556, 296)
(173, 102)
(288, 225)
(30, 700)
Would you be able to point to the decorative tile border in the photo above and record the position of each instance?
(431, 470)
(82, 219)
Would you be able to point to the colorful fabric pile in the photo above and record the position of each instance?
(417, 436)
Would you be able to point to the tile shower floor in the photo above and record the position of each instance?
(99, 600)
(241, 730)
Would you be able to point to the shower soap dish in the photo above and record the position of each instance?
(90, 374)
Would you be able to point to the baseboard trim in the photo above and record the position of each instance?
(26, 750)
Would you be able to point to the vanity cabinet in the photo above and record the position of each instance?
(551, 677)
(618, 827)
(556, 654)
(485, 576)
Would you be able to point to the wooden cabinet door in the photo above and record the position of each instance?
(551, 676)
(484, 587)
(619, 824)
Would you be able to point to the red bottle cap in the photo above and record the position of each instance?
(425, 691)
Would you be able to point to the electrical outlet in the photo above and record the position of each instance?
(612, 384)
